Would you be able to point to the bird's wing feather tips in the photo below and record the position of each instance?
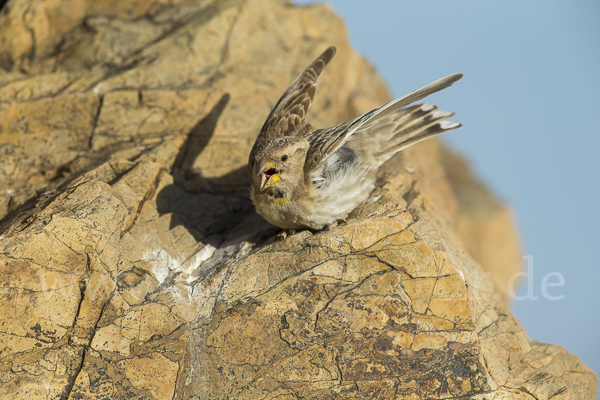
(430, 124)
(290, 111)
(417, 95)
(325, 142)
(448, 125)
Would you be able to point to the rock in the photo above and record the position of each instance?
(134, 265)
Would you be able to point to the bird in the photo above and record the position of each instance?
(308, 178)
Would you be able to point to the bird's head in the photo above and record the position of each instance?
(280, 163)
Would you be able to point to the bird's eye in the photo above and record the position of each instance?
(284, 158)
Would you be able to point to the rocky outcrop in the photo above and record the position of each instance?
(134, 266)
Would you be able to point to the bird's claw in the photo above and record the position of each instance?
(284, 234)
(335, 223)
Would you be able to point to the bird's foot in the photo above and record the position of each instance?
(335, 223)
(284, 233)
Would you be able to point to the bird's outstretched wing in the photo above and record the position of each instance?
(325, 142)
(289, 113)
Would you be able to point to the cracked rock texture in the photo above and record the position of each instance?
(133, 265)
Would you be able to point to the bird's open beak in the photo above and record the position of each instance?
(269, 176)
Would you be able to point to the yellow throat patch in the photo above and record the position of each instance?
(280, 201)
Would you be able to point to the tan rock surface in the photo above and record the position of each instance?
(133, 264)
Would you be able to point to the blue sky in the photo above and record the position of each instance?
(530, 105)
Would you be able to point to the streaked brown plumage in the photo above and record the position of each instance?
(304, 177)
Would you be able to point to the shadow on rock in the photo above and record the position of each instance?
(213, 210)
